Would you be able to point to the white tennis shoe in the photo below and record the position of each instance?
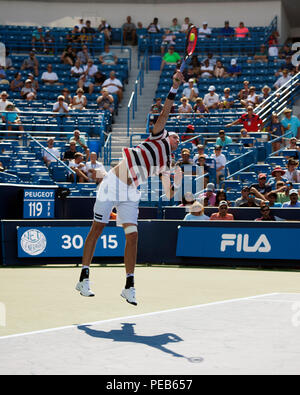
(129, 295)
(84, 288)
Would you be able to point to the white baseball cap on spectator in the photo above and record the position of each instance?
(210, 187)
(50, 138)
(293, 191)
(211, 88)
(223, 203)
(4, 93)
(205, 23)
(233, 62)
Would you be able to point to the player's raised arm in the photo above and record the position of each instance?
(178, 79)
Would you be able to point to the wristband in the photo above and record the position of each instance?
(173, 90)
(172, 94)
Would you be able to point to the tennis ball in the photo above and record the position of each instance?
(192, 37)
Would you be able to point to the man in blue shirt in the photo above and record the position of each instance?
(223, 140)
(291, 123)
(234, 70)
(227, 31)
(294, 202)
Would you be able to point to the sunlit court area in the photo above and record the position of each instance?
(150, 190)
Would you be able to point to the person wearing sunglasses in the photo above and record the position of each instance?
(266, 214)
(262, 185)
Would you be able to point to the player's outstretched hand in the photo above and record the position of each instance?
(178, 79)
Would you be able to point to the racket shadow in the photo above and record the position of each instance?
(127, 334)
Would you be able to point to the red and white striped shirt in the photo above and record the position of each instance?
(149, 158)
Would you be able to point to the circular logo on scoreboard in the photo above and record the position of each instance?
(33, 242)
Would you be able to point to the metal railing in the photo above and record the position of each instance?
(138, 87)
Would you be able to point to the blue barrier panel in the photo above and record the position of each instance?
(57, 242)
(237, 242)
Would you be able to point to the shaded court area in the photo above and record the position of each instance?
(189, 321)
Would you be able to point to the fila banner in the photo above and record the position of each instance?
(256, 243)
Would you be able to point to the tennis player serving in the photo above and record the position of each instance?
(119, 189)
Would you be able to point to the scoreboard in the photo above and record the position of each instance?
(38, 203)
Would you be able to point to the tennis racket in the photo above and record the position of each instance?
(190, 45)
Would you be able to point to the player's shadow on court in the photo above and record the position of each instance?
(127, 334)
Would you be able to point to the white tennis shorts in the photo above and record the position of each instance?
(115, 193)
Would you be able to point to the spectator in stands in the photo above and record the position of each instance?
(157, 107)
(191, 91)
(243, 93)
(294, 199)
(114, 85)
(250, 121)
(49, 77)
(3, 76)
(79, 101)
(31, 63)
(262, 186)
(248, 198)
(292, 145)
(272, 199)
(106, 101)
(85, 82)
(153, 27)
(220, 163)
(266, 93)
(221, 196)
(195, 66)
(106, 29)
(77, 70)
(28, 92)
(61, 107)
(234, 70)
(189, 134)
(283, 191)
(283, 79)
(81, 24)
(73, 36)
(222, 214)
(212, 60)
(207, 70)
(261, 56)
(90, 68)
(204, 31)
(94, 169)
(196, 213)
(108, 57)
(47, 158)
(187, 199)
(291, 123)
(223, 140)
(11, 118)
(286, 51)
(185, 106)
(78, 166)
(84, 55)
(49, 42)
(227, 100)
(200, 152)
(3, 101)
(175, 27)
(8, 61)
(200, 107)
(201, 162)
(209, 194)
(168, 39)
(277, 175)
(69, 154)
(242, 31)
(275, 129)
(252, 99)
(129, 31)
(287, 65)
(81, 144)
(66, 94)
(219, 70)
(266, 214)
(2, 168)
(38, 37)
(211, 99)
(292, 174)
(85, 38)
(170, 57)
(185, 158)
(99, 78)
(227, 31)
(69, 56)
(186, 24)
(17, 84)
(90, 30)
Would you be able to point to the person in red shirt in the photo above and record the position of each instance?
(250, 121)
(223, 214)
(242, 31)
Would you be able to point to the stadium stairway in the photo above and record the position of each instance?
(119, 129)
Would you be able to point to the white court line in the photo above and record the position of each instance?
(138, 316)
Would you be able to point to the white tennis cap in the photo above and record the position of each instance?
(211, 88)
